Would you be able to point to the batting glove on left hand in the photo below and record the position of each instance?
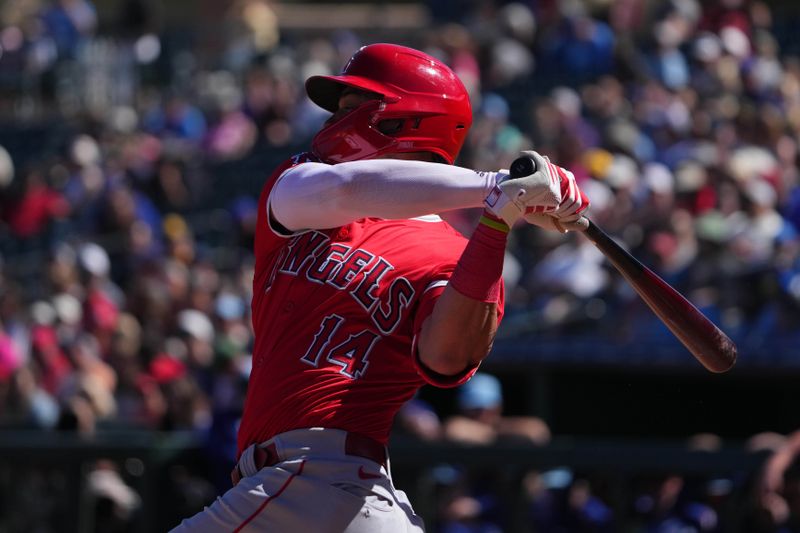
(540, 192)
(568, 215)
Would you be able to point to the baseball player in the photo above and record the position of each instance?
(361, 295)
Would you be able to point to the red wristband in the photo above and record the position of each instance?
(479, 272)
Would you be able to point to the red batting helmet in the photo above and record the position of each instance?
(424, 107)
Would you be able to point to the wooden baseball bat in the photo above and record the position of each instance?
(715, 350)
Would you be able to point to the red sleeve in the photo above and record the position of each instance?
(427, 301)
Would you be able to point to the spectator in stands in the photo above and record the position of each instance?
(480, 419)
(419, 419)
(115, 503)
(28, 405)
(560, 500)
(33, 208)
(671, 502)
(69, 23)
(467, 502)
(775, 504)
(580, 49)
(178, 119)
(232, 134)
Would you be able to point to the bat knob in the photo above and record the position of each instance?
(522, 166)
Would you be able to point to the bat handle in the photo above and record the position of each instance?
(594, 233)
(525, 166)
(522, 166)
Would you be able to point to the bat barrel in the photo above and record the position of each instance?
(709, 345)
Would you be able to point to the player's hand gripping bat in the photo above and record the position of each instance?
(702, 338)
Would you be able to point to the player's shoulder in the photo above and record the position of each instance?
(424, 222)
(293, 161)
(430, 231)
(434, 224)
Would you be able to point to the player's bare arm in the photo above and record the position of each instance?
(458, 334)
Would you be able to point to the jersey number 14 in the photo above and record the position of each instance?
(351, 353)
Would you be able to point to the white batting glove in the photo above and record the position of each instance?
(568, 215)
(540, 192)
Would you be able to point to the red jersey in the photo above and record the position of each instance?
(335, 314)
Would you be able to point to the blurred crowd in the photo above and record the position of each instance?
(757, 493)
(131, 158)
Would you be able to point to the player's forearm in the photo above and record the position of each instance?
(458, 334)
(318, 196)
(462, 325)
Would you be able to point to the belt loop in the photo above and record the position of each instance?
(247, 461)
(253, 458)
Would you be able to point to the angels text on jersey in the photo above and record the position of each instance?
(359, 272)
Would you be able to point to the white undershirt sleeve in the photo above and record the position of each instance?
(320, 196)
